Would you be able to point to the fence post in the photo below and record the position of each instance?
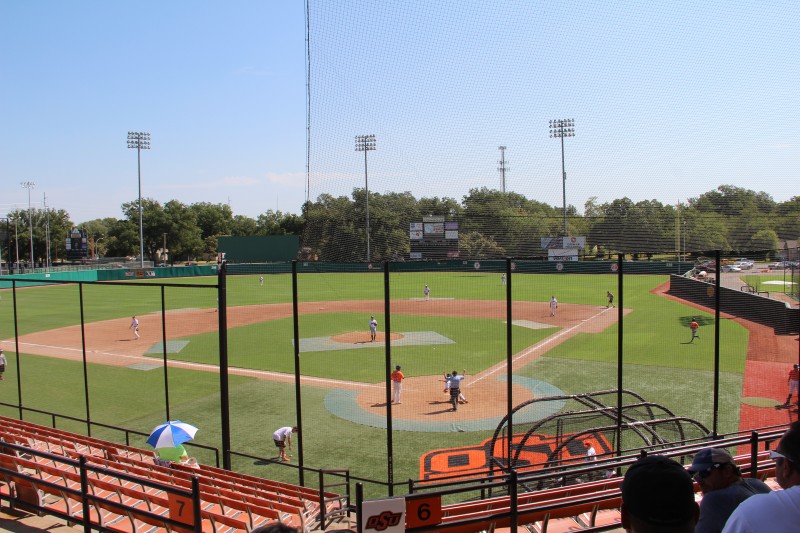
(620, 354)
(87, 520)
(225, 410)
(301, 472)
(196, 516)
(359, 506)
(509, 361)
(512, 500)
(164, 346)
(715, 413)
(85, 363)
(387, 312)
(753, 454)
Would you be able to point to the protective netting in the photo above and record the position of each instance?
(431, 130)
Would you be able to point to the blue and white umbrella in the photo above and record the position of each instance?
(171, 434)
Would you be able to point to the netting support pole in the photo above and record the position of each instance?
(620, 355)
(224, 393)
(387, 312)
(509, 362)
(164, 346)
(85, 362)
(717, 281)
(297, 395)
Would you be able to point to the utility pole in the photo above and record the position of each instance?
(503, 168)
(561, 128)
(47, 233)
(30, 185)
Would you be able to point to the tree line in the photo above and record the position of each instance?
(491, 224)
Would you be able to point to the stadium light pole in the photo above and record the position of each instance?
(503, 168)
(365, 143)
(561, 128)
(30, 185)
(140, 140)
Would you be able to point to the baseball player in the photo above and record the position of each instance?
(261, 280)
(3, 363)
(373, 328)
(694, 326)
(553, 306)
(135, 327)
(427, 292)
(397, 384)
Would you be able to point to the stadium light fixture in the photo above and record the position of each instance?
(561, 128)
(365, 143)
(139, 140)
(30, 186)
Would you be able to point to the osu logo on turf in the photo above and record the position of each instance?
(383, 520)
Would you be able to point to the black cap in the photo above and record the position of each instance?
(658, 491)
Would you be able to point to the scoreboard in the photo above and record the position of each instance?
(433, 238)
(77, 245)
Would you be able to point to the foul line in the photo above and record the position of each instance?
(273, 376)
(530, 349)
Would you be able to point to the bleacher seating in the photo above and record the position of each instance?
(128, 492)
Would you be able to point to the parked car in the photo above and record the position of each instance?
(744, 263)
(731, 268)
(781, 265)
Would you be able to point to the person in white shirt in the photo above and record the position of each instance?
(553, 306)
(779, 510)
(282, 437)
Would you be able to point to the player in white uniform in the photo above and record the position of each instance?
(135, 327)
(553, 306)
(373, 328)
(427, 292)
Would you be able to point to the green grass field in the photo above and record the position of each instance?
(657, 361)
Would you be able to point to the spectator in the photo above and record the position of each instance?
(658, 496)
(282, 437)
(792, 382)
(723, 487)
(778, 510)
(173, 454)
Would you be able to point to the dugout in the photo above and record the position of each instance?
(266, 249)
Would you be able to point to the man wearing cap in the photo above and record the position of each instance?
(723, 487)
(793, 375)
(777, 510)
(658, 496)
(397, 384)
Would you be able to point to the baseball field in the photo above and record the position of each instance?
(101, 371)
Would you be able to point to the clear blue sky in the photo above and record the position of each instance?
(671, 99)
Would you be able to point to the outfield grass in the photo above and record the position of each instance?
(658, 363)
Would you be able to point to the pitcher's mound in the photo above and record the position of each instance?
(355, 337)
